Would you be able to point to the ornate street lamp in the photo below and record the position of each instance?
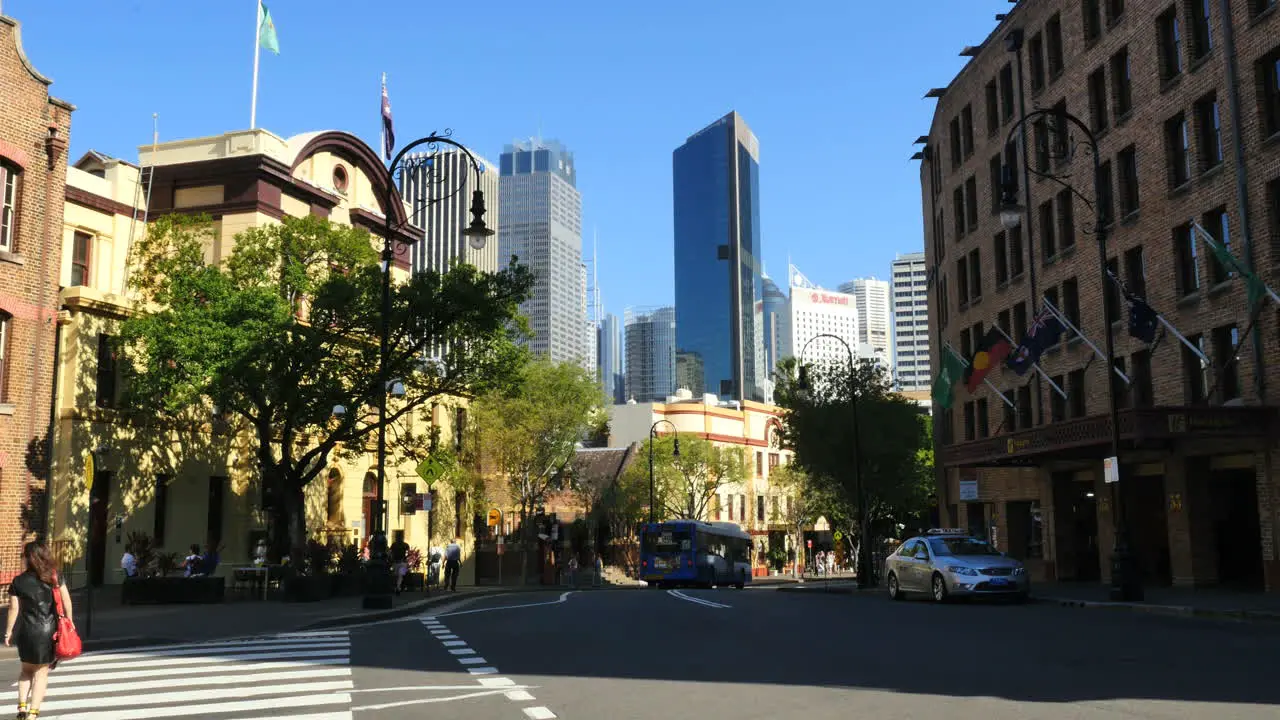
(653, 436)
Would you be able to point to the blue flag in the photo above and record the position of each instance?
(1044, 332)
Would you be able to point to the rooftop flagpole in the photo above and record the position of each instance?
(257, 52)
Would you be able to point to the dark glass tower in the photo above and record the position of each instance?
(719, 288)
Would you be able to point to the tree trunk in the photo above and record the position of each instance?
(296, 508)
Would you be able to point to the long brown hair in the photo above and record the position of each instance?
(40, 561)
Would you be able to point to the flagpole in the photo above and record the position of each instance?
(1063, 319)
(1164, 322)
(1039, 369)
(1207, 237)
(257, 51)
(986, 381)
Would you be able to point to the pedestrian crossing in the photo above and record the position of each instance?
(302, 676)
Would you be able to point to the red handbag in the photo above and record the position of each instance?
(66, 641)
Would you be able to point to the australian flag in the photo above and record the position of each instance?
(1143, 320)
(1044, 332)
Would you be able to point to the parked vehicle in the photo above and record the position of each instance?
(948, 563)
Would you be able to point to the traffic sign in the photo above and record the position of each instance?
(839, 536)
(430, 470)
(495, 517)
(809, 543)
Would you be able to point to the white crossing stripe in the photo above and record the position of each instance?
(462, 651)
(518, 695)
(298, 676)
(483, 671)
(454, 643)
(472, 660)
(539, 713)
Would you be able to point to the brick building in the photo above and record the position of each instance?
(1185, 104)
(33, 140)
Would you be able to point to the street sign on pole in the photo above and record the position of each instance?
(495, 517)
(430, 470)
(839, 536)
(1111, 470)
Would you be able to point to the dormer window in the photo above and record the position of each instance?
(340, 179)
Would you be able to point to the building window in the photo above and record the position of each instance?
(1119, 388)
(1195, 371)
(9, 176)
(1061, 133)
(1006, 92)
(1273, 203)
(107, 372)
(1269, 92)
(1076, 392)
(1098, 99)
(993, 108)
(1226, 341)
(1010, 419)
(1201, 37)
(6, 337)
(1046, 230)
(459, 429)
(1066, 220)
(1002, 322)
(1128, 162)
(1015, 253)
(1215, 221)
(1019, 329)
(999, 252)
(1135, 271)
(1209, 132)
(957, 199)
(1040, 136)
(1035, 49)
(1115, 8)
(1053, 33)
(1057, 404)
(1186, 260)
(1177, 150)
(968, 421)
(1106, 195)
(1143, 391)
(1024, 406)
(1170, 44)
(1112, 299)
(995, 170)
(81, 249)
(975, 274)
(774, 459)
(962, 282)
(1051, 296)
(759, 508)
(1257, 7)
(1121, 85)
(1071, 302)
(759, 463)
(966, 129)
(1092, 12)
(971, 203)
(984, 418)
(459, 513)
(957, 154)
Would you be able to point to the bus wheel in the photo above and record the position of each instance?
(742, 581)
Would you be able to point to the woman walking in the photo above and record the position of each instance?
(31, 600)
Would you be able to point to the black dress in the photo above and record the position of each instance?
(37, 619)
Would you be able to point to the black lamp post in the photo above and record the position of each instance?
(653, 436)
(380, 588)
(1125, 584)
(864, 540)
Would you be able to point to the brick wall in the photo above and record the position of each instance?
(28, 290)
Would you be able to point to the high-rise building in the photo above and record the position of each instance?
(425, 186)
(541, 219)
(719, 288)
(777, 318)
(651, 353)
(813, 312)
(610, 358)
(910, 322)
(872, 297)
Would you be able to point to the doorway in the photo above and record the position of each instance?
(1237, 530)
(1144, 509)
(1076, 527)
(99, 501)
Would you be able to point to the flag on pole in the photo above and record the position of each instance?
(1254, 285)
(1044, 332)
(992, 349)
(267, 31)
(388, 131)
(944, 385)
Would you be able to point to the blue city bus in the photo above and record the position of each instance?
(693, 553)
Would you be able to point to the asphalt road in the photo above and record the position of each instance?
(755, 653)
(759, 653)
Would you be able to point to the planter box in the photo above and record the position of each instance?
(307, 588)
(414, 581)
(173, 590)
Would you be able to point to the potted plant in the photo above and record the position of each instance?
(313, 583)
(416, 579)
(349, 578)
(154, 583)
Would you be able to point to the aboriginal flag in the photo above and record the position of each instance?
(991, 352)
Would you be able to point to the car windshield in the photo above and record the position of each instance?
(961, 546)
(668, 541)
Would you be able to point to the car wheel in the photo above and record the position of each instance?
(895, 592)
(939, 588)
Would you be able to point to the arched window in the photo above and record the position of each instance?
(9, 176)
(333, 499)
(6, 340)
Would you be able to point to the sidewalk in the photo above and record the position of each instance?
(1204, 602)
(114, 625)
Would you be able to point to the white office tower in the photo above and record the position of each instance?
(815, 312)
(872, 298)
(910, 279)
(651, 353)
(443, 217)
(541, 216)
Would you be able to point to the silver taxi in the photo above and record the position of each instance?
(948, 563)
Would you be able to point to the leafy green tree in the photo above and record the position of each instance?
(809, 500)
(685, 486)
(819, 427)
(286, 329)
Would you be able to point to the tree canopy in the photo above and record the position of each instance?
(286, 328)
(685, 486)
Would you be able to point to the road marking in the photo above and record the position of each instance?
(454, 643)
(700, 601)
(268, 704)
(426, 701)
(483, 671)
(472, 660)
(444, 635)
(462, 651)
(539, 713)
(519, 695)
(181, 682)
(498, 682)
(206, 651)
(187, 696)
(563, 597)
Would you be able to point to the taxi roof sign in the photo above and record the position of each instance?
(948, 531)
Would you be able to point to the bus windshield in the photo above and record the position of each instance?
(668, 541)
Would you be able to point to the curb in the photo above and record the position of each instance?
(1165, 610)
(818, 589)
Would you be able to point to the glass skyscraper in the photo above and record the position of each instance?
(719, 287)
(650, 353)
(541, 220)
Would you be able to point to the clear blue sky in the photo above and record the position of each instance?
(832, 88)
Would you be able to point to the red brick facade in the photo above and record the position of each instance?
(1196, 461)
(34, 129)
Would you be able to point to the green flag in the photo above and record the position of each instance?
(267, 31)
(945, 384)
(1253, 284)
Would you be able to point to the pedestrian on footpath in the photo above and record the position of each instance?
(31, 601)
(452, 562)
(399, 551)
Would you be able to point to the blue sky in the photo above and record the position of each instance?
(832, 89)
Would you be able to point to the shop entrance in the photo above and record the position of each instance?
(1237, 531)
(1076, 527)
(1144, 507)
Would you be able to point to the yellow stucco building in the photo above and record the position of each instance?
(185, 484)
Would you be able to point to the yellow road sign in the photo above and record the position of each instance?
(495, 517)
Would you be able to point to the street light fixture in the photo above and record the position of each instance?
(653, 436)
(440, 186)
(864, 542)
(1125, 584)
